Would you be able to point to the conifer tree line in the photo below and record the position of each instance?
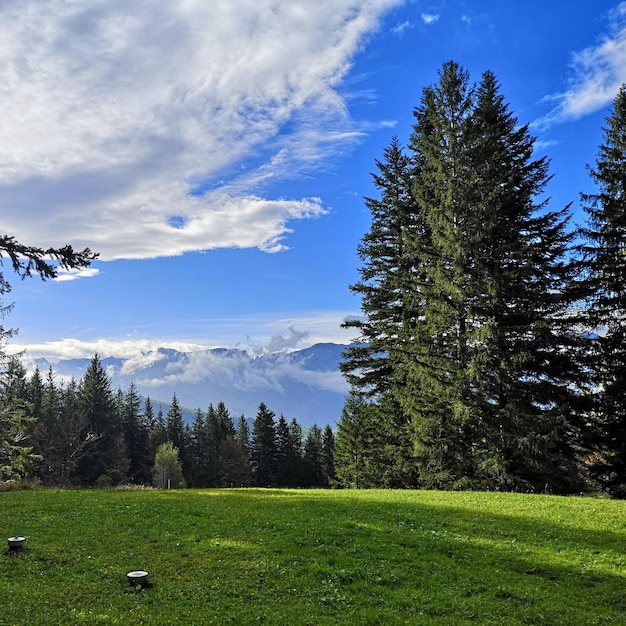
(85, 434)
(491, 347)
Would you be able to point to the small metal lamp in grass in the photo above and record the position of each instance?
(16, 543)
(138, 577)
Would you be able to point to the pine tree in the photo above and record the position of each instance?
(17, 456)
(489, 375)
(175, 427)
(158, 434)
(369, 364)
(197, 451)
(235, 467)
(264, 447)
(605, 257)
(136, 429)
(355, 432)
(72, 436)
(242, 434)
(296, 445)
(105, 454)
(288, 458)
(312, 462)
(524, 346)
(328, 458)
(468, 347)
(212, 446)
(436, 335)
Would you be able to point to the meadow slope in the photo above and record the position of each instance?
(250, 556)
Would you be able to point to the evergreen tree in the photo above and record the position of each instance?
(104, 457)
(297, 449)
(264, 447)
(17, 456)
(476, 306)
(235, 467)
(158, 434)
(175, 428)
(436, 338)
(35, 393)
(522, 383)
(226, 427)
(242, 435)
(136, 429)
(287, 457)
(328, 458)
(46, 439)
(212, 445)
(370, 364)
(72, 437)
(313, 468)
(355, 433)
(197, 451)
(605, 257)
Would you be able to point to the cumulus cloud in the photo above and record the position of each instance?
(597, 73)
(429, 18)
(148, 129)
(278, 343)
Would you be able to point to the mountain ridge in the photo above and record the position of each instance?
(303, 384)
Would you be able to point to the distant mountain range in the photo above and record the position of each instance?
(304, 384)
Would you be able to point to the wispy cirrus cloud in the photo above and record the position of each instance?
(144, 130)
(597, 73)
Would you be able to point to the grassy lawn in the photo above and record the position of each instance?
(312, 557)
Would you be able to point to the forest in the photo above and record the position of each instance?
(490, 353)
(83, 434)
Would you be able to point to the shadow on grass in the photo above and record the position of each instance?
(299, 556)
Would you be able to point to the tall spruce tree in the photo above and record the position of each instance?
(312, 460)
(136, 429)
(104, 455)
(369, 365)
(375, 365)
(469, 309)
(328, 456)
(175, 427)
(490, 372)
(605, 256)
(355, 432)
(264, 447)
(242, 434)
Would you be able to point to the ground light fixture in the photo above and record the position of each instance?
(16, 543)
(137, 577)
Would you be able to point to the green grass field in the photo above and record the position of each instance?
(312, 557)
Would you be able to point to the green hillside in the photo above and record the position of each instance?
(312, 557)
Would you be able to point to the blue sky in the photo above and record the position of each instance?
(216, 153)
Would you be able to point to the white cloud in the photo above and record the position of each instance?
(113, 112)
(245, 373)
(256, 335)
(278, 343)
(429, 18)
(400, 28)
(73, 274)
(597, 73)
